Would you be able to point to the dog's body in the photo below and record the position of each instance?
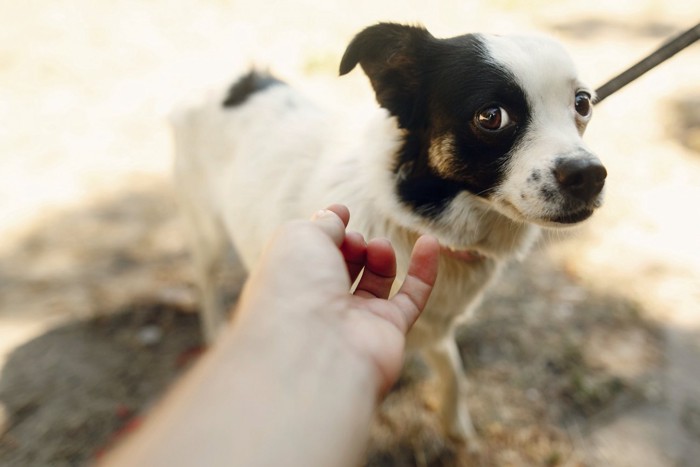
(478, 142)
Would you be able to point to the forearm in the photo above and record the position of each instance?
(256, 400)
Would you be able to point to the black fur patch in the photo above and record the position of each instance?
(419, 187)
(246, 86)
(436, 87)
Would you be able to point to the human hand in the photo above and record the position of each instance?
(305, 361)
(306, 274)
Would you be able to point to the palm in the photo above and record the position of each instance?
(376, 325)
(312, 278)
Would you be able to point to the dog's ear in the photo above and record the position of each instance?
(391, 56)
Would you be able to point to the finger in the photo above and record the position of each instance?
(380, 270)
(354, 250)
(422, 273)
(331, 224)
(341, 211)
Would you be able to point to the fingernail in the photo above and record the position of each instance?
(321, 214)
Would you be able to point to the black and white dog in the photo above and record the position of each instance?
(477, 142)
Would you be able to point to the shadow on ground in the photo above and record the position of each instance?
(548, 360)
(70, 391)
(547, 357)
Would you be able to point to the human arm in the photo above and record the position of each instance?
(295, 378)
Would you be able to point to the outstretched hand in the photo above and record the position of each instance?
(308, 269)
(304, 363)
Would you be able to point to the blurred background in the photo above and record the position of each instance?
(587, 353)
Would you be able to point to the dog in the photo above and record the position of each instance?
(477, 140)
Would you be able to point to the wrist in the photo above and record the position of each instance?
(307, 389)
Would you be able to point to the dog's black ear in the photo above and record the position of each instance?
(391, 55)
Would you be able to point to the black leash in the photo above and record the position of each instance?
(660, 55)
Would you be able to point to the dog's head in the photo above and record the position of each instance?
(500, 118)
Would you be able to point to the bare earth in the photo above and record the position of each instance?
(585, 354)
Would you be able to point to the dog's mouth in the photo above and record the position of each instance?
(572, 217)
(560, 219)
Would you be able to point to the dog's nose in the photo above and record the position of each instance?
(581, 178)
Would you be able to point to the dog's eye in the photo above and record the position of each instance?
(582, 104)
(492, 118)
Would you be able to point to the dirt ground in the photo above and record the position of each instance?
(585, 354)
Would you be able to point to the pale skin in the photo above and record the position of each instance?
(294, 380)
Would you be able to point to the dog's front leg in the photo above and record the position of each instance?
(445, 360)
